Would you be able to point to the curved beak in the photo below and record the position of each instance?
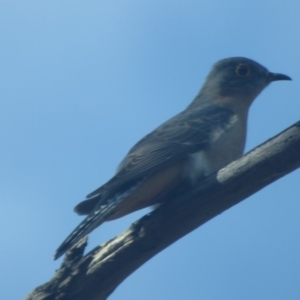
(278, 76)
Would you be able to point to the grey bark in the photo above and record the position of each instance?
(98, 273)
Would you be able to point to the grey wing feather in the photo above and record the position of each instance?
(186, 133)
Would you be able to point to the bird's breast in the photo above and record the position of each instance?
(225, 146)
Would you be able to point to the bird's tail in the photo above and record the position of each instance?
(93, 220)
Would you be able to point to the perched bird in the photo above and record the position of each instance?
(209, 134)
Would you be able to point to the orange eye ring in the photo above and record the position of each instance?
(242, 70)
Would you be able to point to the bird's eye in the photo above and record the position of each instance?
(242, 70)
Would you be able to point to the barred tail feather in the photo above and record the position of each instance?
(99, 215)
(93, 220)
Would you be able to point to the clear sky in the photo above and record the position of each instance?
(82, 81)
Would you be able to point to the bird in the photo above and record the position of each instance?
(205, 137)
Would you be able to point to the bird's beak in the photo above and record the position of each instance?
(277, 76)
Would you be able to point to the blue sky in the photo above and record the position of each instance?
(82, 81)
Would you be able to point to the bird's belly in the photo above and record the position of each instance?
(146, 193)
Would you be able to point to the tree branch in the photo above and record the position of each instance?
(98, 273)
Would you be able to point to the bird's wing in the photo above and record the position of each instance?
(186, 133)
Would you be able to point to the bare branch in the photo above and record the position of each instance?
(97, 274)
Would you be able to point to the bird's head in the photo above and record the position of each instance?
(238, 79)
